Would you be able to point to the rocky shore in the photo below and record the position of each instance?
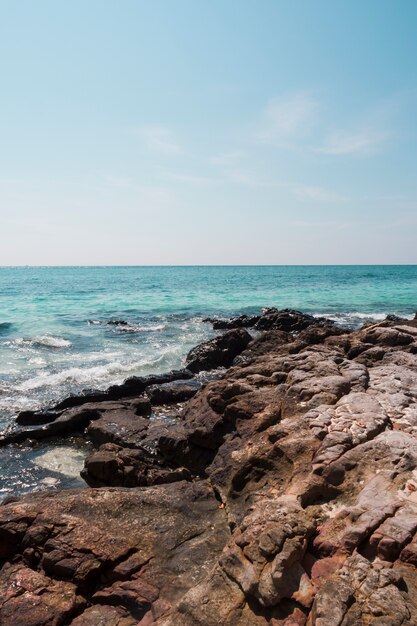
(273, 481)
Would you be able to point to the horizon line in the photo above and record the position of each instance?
(165, 265)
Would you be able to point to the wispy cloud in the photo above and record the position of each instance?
(318, 224)
(315, 193)
(191, 179)
(363, 142)
(286, 118)
(160, 139)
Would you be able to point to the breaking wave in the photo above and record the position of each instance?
(43, 341)
(356, 318)
(128, 327)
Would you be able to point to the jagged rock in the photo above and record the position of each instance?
(218, 352)
(242, 321)
(29, 598)
(162, 539)
(292, 496)
(289, 320)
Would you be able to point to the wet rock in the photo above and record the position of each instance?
(218, 352)
(34, 418)
(133, 386)
(169, 393)
(242, 321)
(70, 421)
(289, 320)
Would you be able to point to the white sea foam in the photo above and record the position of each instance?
(98, 376)
(356, 318)
(132, 328)
(129, 327)
(362, 316)
(62, 459)
(75, 376)
(44, 341)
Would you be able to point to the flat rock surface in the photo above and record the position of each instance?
(282, 494)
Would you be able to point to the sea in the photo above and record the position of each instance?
(67, 329)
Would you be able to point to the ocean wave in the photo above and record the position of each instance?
(129, 327)
(43, 341)
(356, 317)
(12, 403)
(99, 376)
(132, 328)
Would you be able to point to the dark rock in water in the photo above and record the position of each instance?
(169, 393)
(70, 421)
(76, 419)
(286, 320)
(289, 320)
(117, 323)
(138, 384)
(33, 418)
(394, 318)
(218, 352)
(133, 386)
(84, 397)
(243, 321)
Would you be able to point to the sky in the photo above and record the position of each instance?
(208, 132)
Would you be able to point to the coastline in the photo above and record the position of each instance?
(260, 494)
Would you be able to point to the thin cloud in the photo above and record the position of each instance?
(317, 193)
(299, 190)
(191, 179)
(361, 143)
(161, 140)
(286, 118)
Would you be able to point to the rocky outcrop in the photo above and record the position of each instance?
(218, 352)
(282, 494)
(287, 320)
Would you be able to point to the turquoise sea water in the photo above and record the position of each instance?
(55, 338)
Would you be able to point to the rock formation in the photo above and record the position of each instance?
(283, 492)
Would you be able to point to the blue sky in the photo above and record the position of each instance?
(208, 132)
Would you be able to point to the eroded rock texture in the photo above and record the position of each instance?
(282, 493)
